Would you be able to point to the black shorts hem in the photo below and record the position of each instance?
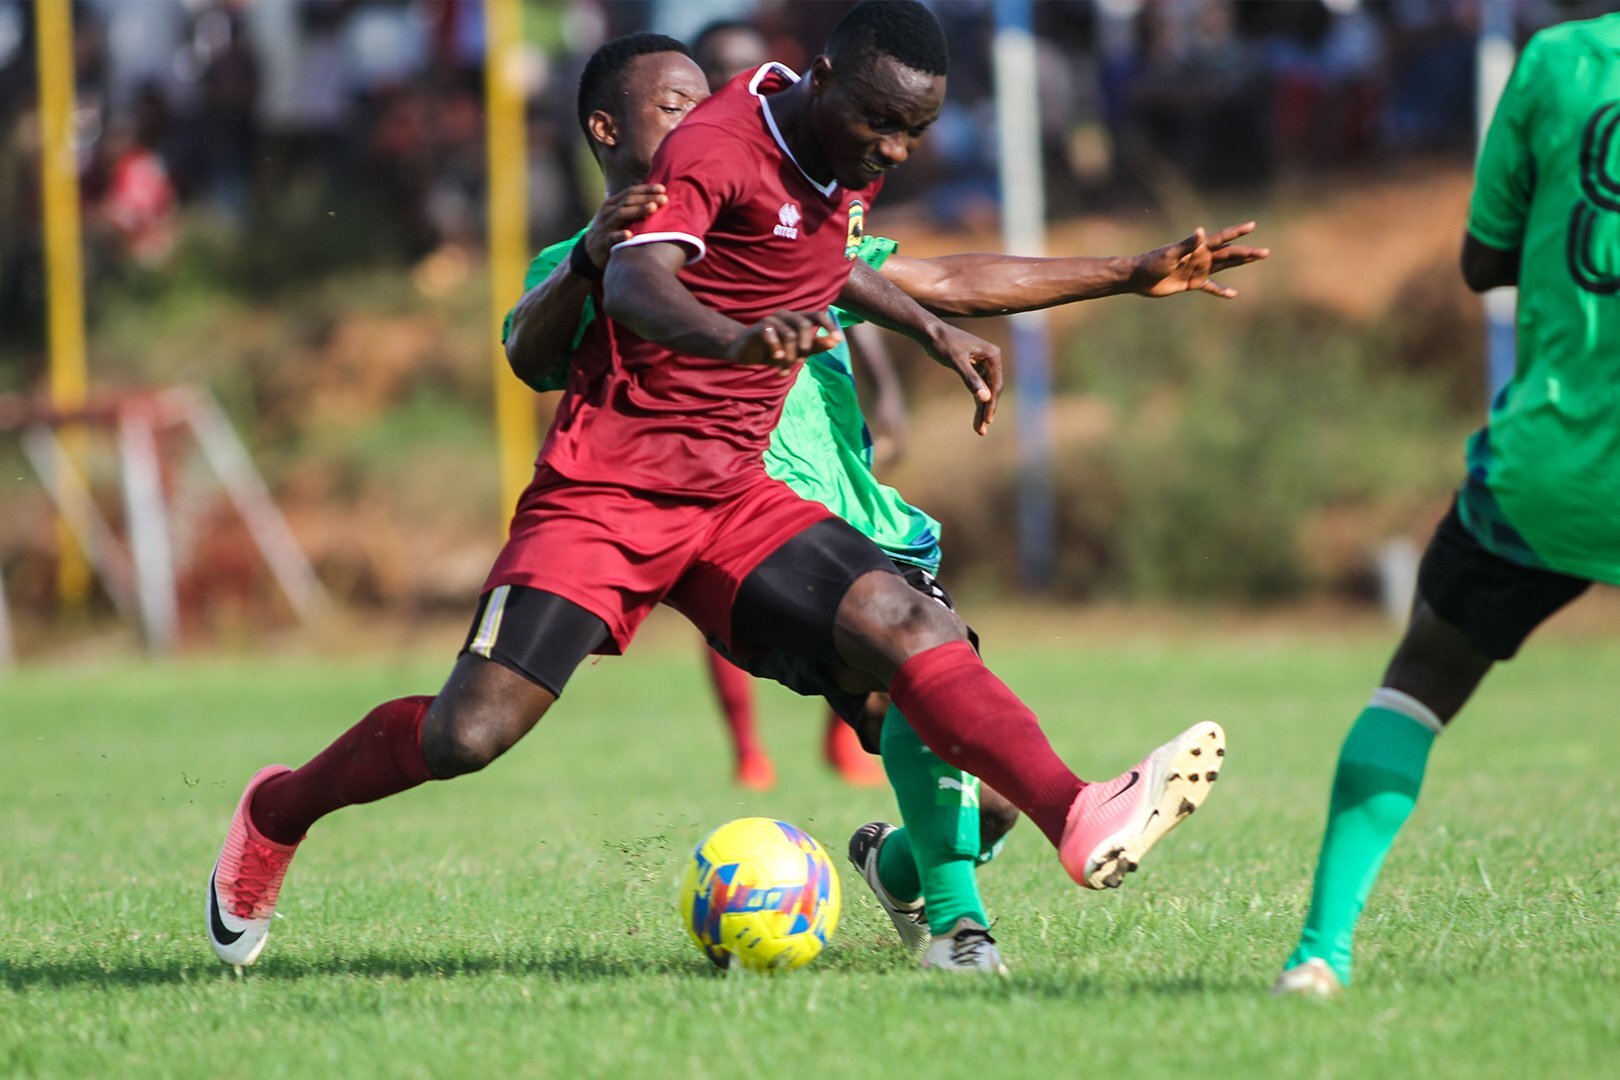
(1494, 602)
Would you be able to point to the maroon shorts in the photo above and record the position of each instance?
(617, 553)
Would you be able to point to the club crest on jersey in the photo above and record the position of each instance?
(857, 229)
(788, 219)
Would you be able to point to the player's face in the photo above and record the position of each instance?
(869, 121)
(674, 85)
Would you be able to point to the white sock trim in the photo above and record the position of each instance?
(1387, 697)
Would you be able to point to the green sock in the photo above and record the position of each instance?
(1380, 772)
(939, 806)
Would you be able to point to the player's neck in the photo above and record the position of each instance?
(791, 110)
(616, 177)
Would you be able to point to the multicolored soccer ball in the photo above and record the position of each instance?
(761, 894)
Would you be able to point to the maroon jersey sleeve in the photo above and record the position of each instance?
(703, 170)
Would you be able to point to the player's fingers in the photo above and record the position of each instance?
(774, 336)
(992, 372)
(825, 320)
(834, 335)
(1222, 237)
(801, 331)
(643, 198)
(1215, 288)
(1239, 256)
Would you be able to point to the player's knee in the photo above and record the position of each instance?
(463, 741)
(997, 816)
(894, 614)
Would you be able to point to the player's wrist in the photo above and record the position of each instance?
(582, 264)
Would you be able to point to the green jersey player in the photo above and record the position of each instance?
(1537, 517)
(922, 873)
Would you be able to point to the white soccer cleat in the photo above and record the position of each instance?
(1313, 979)
(246, 882)
(910, 920)
(967, 948)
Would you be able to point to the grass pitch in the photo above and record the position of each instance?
(521, 922)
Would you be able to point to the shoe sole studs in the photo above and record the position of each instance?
(1184, 792)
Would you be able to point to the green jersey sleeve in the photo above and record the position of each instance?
(1505, 175)
(874, 252)
(540, 268)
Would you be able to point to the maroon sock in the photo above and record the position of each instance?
(970, 719)
(379, 756)
(733, 686)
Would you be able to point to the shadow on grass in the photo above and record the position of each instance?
(571, 966)
(584, 966)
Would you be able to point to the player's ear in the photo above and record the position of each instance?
(603, 128)
(821, 74)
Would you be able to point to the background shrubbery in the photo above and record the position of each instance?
(1253, 451)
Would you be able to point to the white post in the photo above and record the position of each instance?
(1023, 229)
(229, 459)
(148, 514)
(66, 487)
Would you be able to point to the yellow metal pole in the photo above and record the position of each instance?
(507, 140)
(64, 262)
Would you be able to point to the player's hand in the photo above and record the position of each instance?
(978, 363)
(783, 339)
(1187, 266)
(618, 212)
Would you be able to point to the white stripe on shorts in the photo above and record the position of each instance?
(489, 627)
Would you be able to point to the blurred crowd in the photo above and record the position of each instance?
(311, 130)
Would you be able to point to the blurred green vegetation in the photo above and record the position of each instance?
(1252, 452)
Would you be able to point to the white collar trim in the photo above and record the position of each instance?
(765, 69)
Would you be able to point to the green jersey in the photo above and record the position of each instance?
(821, 447)
(1543, 485)
(540, 268)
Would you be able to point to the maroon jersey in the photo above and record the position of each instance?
(761, 236)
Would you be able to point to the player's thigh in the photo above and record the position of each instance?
(523, 646)
(1473, 608)
(791, 600)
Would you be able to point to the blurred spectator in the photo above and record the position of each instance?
(336, 130)
(1199, 101)
(1432, 45)
(728, 47)
(138, 201)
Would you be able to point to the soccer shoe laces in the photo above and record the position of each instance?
(969, 947)
(258, 879)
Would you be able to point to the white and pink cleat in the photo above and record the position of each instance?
(1112, 824)
(246, 881)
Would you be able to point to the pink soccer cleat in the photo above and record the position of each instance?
(1113, 824)
(246, 881)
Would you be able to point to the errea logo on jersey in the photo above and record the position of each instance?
(788, 218)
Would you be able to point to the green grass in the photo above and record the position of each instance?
(521, 922)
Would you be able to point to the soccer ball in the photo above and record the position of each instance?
(760, 893)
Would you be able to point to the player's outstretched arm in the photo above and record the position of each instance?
(977, 362)
(641, 291)
(977, 285)
(546, 318)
